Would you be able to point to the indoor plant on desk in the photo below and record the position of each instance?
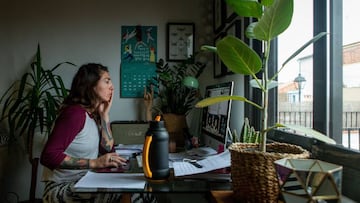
(252, 162)
(176, 90)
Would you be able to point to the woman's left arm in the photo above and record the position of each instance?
(107, 141)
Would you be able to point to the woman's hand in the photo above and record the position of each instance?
(108, 160)
(104, 108)
(148, 100)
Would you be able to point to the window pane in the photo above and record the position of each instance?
(296, 79)
(351, 74)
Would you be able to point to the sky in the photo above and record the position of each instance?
(300, 31)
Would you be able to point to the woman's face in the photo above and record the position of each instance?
(104, 88)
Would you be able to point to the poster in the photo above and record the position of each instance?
(138, 59)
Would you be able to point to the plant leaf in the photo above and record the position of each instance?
(267, 2)
(238, 56)
(217, 99)
(310, 133)
(208, 48)
(246, 8)
(313, 40)
(270, 84)
(275, 20)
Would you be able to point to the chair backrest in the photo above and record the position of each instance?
(129, 132)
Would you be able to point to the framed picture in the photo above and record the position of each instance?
(245, 23)
(235, 29)
(219, 67)
(230, 14)
(219, 15)
(180, 41)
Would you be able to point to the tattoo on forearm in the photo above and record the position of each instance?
(106, 129)
(75, 163)
(106, 136)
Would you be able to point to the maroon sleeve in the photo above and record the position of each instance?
(69, 123)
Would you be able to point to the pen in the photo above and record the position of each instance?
(193, 162)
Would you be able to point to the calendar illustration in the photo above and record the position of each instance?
(134, 78)
(138, 59)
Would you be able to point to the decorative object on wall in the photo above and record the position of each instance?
(138, 59)
(219, 15)
(219, 67)
(309, 180)
(180, 41)
(230, 14)
(234, 29)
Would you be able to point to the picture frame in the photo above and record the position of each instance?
(219, 15)
(180, 41)
(246, 21)
(219, 66)
(235, 29)
(230, 14)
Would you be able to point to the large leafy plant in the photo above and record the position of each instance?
(32, 102)
(174, 96)
(272, 18)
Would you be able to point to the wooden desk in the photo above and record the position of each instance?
(201, 184)
(221, 196)
(226, 196)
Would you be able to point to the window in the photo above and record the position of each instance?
(295, 88)
(351, 74)
(298, 98)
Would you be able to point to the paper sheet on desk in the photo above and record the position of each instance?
(128, 150)
(210, 163)
(112, 180)
(129, 147)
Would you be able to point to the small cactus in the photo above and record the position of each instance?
(248, 134)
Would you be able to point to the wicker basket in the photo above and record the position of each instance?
(253, 172)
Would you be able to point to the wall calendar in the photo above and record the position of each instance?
(138, 59)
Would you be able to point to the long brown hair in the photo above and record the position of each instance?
(82, 88)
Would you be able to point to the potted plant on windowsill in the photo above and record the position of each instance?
(273, 17)
(30, 106)
(176, 92)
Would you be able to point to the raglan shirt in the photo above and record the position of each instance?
(75, 134)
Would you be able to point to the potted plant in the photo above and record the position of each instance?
(30, 106)
(272, 18)
(176, 90)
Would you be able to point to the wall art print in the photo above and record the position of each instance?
(180, 41)
(138, 59)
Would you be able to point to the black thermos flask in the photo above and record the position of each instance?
(155, 155)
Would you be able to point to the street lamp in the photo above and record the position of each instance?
(299, 84)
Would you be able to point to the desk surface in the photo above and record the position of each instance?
(169, 186)
(203, 183)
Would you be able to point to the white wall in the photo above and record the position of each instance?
(90, 31)
(82, 32)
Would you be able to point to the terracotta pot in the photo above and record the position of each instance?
(175, 125)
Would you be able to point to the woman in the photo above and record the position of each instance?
(81, 138)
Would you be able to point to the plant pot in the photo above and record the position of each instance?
(253, 172)
(175, 125)
(309, 180)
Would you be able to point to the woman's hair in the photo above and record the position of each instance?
(82, 88)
